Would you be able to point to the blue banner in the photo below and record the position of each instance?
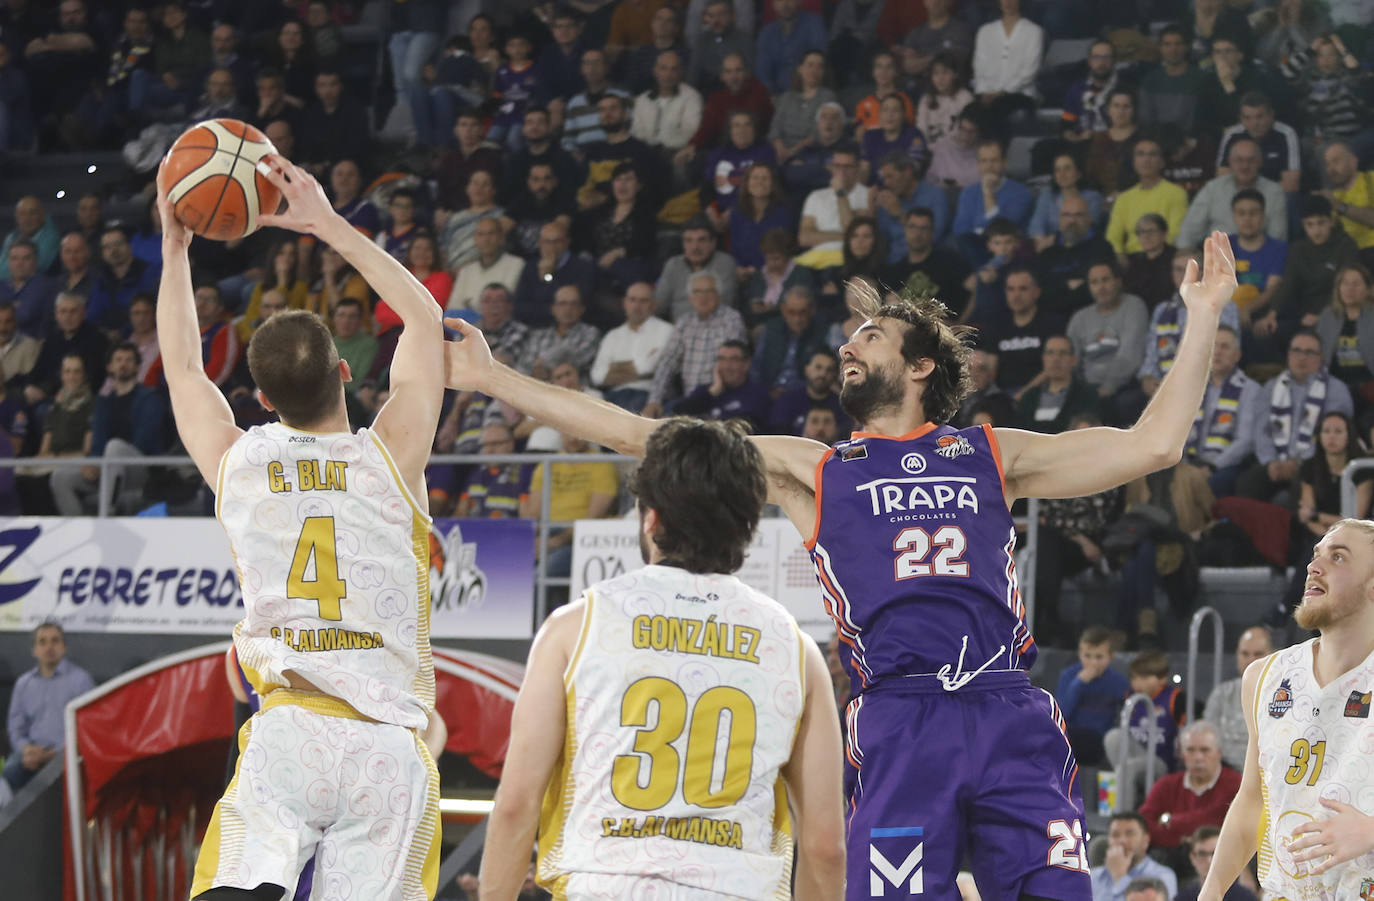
(481, 578)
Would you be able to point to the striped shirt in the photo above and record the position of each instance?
(691, 351)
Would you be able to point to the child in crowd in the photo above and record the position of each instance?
(1090, 693)
(1151, 676)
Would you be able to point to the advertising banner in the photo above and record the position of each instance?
(177, 576)
(777, 565)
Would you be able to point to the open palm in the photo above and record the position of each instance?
(1217, 283)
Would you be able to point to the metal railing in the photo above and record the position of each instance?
(1125, 784)
(1194, 633)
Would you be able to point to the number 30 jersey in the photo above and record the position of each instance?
(683, 701)
(913, 549)
(333, 559)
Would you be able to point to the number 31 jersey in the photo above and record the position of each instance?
(683, 701)
(913, 550)
(333, 559)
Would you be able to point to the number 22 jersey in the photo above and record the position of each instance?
(913, 549)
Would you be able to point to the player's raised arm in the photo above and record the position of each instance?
(407, 421)
(203, 417)
(1239, 831)
(1087, 461)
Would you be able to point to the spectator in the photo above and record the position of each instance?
(630, 353)
(568, 339)
(954, 158)
(1064, 263)
(808, 170)
(18, 351)
(690, 355)
(1211, 21)
(1109, 337)
(422, 259)
(1147, 888)
(129, 420)
(218, 100)
(1067, 181)
(892, 135)
(1179, 803)
(102, 113)
(765, 286)
(29, 294)
(219, 343)
(75, 275)
(178, 53)
(619, 147)
(864, 254)
(337, 281)
(734, 391)
(728, 167)
(459, 80)
(514, 87)
(1150, 676)
(581, 118)
(792, 407)
(1058, 394)
(542, 276)
(943, 35)
(334, 127)
(938, 112)
(456, 228)
(667, 116)
(62, 62)
(787, 342)
(1149, 271)
(719, 39)
(761, 209)
(543, 199)
(224, 54)
(694, 23)
(1255, 643)
(90, 217)
(1278, 143)
(1167, 321)
(944, 270)
(66, 433)
(281, 277)
(1006, 60)
(270, 303)
(639, 65)
(504, 333)
(854, 26)
(1108, 160)
(739, 91)
(794, 119)
(1287, 412)
(356, 347)
(1232, 77)
(868, 112)
(395, 238)
(1211, 209)
(560, 61)
(1319, 486)
(72, 335)
(33, 224)
(1334, 93)
(1312, 264)
(493, 264)
(1202, 846)
(1127, 864)
(821, 425)
(1346, 330)
(783, 43)
(1259, 263)
(295, 59)
(274, 103)
(621, 234)
(902, 191)
(632, 25)
(828, 211)
(579, 491)
(35, 721)
(1350, 191)
(346, 182)
(1016, 338)
(994, 195)
(455, 165)
(1090, 692)
(143, 335)
(674, 292)
(120, 277)
(1150, 194)
(1085, 104)
(497, 490)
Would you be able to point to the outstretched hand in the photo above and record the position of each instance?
(1217, 282)
(173, 230)
(1334, 840)
(307, 207)
(467, 361)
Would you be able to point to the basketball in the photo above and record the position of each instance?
(211, 178)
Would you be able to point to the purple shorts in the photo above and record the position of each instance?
(986, 770)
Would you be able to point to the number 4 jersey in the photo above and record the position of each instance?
(333, 558)
(684, 697)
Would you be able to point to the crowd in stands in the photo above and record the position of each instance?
(669, 203)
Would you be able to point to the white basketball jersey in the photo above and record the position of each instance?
(684, 697)
(333, 557)
(1313, 743)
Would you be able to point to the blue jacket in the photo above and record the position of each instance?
(779, 51)
(1013, 201)
(145, 428)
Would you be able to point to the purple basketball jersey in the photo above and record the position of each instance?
(913, 549)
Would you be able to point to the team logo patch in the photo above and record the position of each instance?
(853, 452)
(1367, 890)
(951, 446)
(895, 854)
(914, 464)
(1357, 707)
(1282, 701)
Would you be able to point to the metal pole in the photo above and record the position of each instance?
(1194, 631)
(541, 610)
(1124, 784)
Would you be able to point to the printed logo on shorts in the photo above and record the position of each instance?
(894, 856)
(951, 446)
(1282, 701)
(1357, 707)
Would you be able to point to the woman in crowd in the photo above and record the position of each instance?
(728, 166)
(867, 114)
(66, 433)
(1109, 164)
(621, 234)
(892, 135)
(938, 112)
(294, 57)
(1333, 93)
(482, 36)
(1149, 271)
(282, 275)
(794, 117)
(1319, 499)
(764, 289)
(337, 280)
(1346, 329)
(761, 208)
(1067, 182)
(456, 229)
(865, 252)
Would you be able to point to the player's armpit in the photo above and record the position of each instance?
(791, 466)
(1079, 462)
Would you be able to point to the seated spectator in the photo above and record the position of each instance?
(395, 238)
(1057, 394)
(492, 265)
(1150, 194)
(581, 119)
(1202, 847)
(224, 54)
(944, 270)
(568, 339)
(339, 280)
(1150, 676)
(29, 294)
(514, 87)
(1189, 157)
(868, 111)
(460, 82)
(74, 272)
(504, 333)
(32, 224)
(456, 228)
(734, 392)
(1319, 494)
(130, 420)
(1085, 103)
(1067, 181)
(1006, 59)
(630, 353)
(937, 115)
(667, 116)
(993, 196)
(270, 303)
(1211, 21)
(1333, 91)
(18, 351)
(346, 184)
(356, 347)
(66, 433)
(1287, 413)
(497, 490)
(903, 189)
(786, 342)
(455, 164)
(1231, 77)
(662, 32)
(1224, 706)
(118, 279)
(1280, 161)
(1259, 269)
(817, 389)
(794, 116)
(1149, 271)
(821, 425)
(864, 256)
(1003, 243)
(35, 722)
(541, 200)
(295, 60)
(783, 42)
(142, 335)
(621, 235)
(1179, 803)
(892, 135)
(102, 115)
(1211, 208)
(333, 127)
(807, 170)
(1090, 692)
(762, 208)
(1064, 263)
(1312, 264)
(1350, 191)
(1128, 865)
(765, 287)
(61, 58)
(619, 146)
(72, 334)
(673, 294)
(554, 267)
(1167, 321)
(828, 211)
(739, 91)
(718, 39)
(579, 491)
(273, 103)
(1016, 337)
(1170, 93)
(1346, 330)
(1108, 162)
(728, 167)
(560, 60)
(694, 25)
(1109, 337)
(954, 157)
(219, 343)
(282, 277)
(689, 358)
(422, 259)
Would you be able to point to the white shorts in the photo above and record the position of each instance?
(312, 776)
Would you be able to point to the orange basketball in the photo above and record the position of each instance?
(212, 180)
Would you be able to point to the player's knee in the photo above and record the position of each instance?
(264, 892)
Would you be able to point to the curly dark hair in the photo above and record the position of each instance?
(929, 336)
(705, 480)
